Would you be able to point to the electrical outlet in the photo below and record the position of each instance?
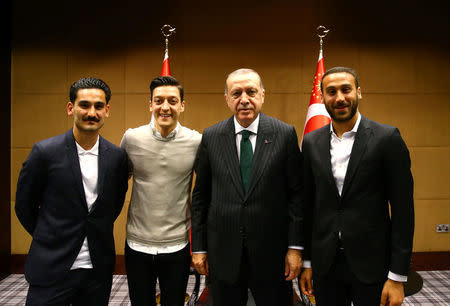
(442, 228)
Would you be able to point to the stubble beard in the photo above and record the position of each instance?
(353, 110)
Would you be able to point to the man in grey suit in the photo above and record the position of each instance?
(356, 170)
(246, 210)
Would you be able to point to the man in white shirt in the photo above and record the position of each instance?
(161, 155)
(355, 171)
(70, 191)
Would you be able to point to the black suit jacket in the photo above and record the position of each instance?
(378, 174)
(268, 215)
(51, 205)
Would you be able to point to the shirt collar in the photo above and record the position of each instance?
(158, 135)
(252, 127)
(92, 151)
(353, 130)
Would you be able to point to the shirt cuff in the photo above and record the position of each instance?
(397, 277)
(307, 264)
(295, 247)
(199, 252)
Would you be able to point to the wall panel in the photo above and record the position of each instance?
(401, 65)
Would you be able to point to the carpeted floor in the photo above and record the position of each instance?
(435, 291)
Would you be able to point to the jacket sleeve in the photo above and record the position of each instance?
(295, 199)
(308, 200)
(30, 188)
(399, 184)
(123, 184)
(201, 198)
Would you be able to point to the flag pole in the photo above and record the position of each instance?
(167, 30)
(321, 32)
(317, 115)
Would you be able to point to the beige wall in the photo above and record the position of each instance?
(405, 84)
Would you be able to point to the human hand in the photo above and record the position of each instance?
(392, 294)
(306, 282)
(200, 263)
(292, 264)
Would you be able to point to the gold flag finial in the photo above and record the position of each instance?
(322, 32)
(167, 30)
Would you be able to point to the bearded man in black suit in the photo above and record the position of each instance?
(355, 171)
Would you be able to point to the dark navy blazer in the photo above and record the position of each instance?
(51, 205)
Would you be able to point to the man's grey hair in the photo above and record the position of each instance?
(242, 71)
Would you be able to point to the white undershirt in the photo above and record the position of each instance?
(89, 173)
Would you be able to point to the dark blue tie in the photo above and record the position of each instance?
(246, 158)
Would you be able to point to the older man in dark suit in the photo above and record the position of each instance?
(71, 189)
(246, 210)
(355, 170)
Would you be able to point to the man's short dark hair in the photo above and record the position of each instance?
(166, 81)
(85, 83)
(338, 70)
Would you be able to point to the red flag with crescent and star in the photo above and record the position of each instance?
(317, 115)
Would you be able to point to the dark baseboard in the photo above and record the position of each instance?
(120, 265)
(421, 261)
(430, 261)
(18, 263)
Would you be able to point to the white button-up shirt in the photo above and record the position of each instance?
(340, 150)
(89, 173)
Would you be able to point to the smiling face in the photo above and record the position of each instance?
(166, 106)
(89, 110)
(244, 96)
(340, 96)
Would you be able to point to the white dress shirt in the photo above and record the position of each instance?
(89, 173)
(340, 150)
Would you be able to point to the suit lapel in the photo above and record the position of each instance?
(323, 145)
(230, 155)
(359, 147)
(72, 152)
(102, 166)
(263, 148)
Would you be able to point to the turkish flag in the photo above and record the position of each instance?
(317, 114)
(165, 71)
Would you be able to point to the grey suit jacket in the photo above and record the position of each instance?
(268, 216)
(378, 176)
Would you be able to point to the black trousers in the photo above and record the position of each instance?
(341, 287)
(276, 292)
(83, 287)
(171, 269)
